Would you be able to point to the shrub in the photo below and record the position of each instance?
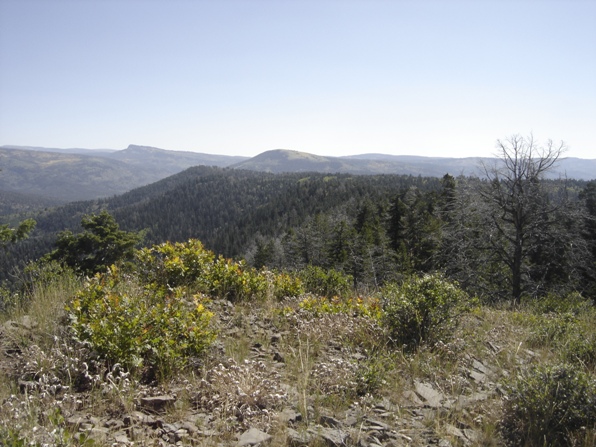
(551, 329)
(188, 264)
(169, 265)
(286, 285)
(422, 309)
(548, 406)
(235, 280)
(325, 282)
(581, 349)
(572, 303)
(318, 305)
(125, 323)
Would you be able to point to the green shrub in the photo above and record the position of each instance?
(286, 285)
(572, 303)
(235, 280)
(319, 305)
(581, 349)
(551, 329)
(323, 282)
(422, 309)
(188, 264)
(137, 327)
(548, 406)
(169, 265)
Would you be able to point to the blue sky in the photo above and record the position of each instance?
(330, 77)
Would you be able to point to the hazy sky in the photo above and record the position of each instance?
(330, 77)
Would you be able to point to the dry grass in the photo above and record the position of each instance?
(273, 356)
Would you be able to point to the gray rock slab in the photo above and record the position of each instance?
(333, 437)
(253, 436)
(431, 397)
(298, 439)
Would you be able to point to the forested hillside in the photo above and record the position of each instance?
(374, 228)
(224, 208)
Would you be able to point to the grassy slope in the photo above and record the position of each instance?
(273, 359)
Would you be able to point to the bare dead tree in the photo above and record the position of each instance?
(517, 203)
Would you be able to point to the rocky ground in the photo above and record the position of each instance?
(277, 375)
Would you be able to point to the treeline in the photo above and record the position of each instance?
(449, 228)
(223, 208)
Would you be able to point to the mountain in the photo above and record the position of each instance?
(82, 174)
(283, 160)
(63, 175)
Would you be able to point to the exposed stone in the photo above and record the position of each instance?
(298, 439)
(253, 436)
(278, 357)
(157, 404)
(454, 431)
(412, 399)
(288, 415)
(332, 436)
(329, 421)
(432, 397)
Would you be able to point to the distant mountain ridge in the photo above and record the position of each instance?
(63, 175)
(285, 160)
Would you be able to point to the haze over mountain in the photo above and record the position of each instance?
(64, 175)
(51, 176)
(283, 160)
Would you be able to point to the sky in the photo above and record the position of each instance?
(328, 77)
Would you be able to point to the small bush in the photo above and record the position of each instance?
(235, 280)
(581, 349)
(369, 307)
(572, 303)
(325, 282)
(286, 285)
(551, 329)
(169, 265)
(422, 309)
(549, 406)
(137, 327)
(188, 264)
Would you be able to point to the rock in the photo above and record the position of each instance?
(28, 386)
(275, 338)
(298, 439)
(329, 421)
(289, 416)
(157, 404)
(452, 430)
(333, 437)
(413, 399)
(278, 357)
(141, 418)
(121, 438)
(432, 397)
(253, 436)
